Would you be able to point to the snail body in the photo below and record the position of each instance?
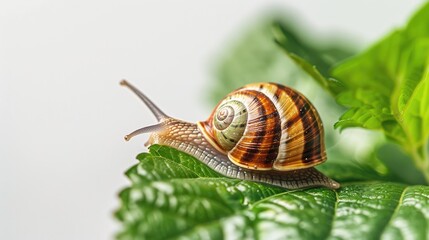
(263, 132)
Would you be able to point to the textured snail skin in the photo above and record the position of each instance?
(188, 138)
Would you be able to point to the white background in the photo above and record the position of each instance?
(63, 114)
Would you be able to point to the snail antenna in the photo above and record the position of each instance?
(155, 110)
(148, 129)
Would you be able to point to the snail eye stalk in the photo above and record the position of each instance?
(159, 114)
(148, 129)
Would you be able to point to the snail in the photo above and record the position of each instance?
(262, 132)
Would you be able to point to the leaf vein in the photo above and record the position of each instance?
(394, 213)
(337, 199)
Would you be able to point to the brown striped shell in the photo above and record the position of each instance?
(267, 126)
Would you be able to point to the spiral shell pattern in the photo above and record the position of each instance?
(229, 122)
(267, 126)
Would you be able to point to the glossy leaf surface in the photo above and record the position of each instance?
(173, 195)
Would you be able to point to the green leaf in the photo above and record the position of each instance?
(378, 90)
(416, 113)
(368, 109)
(316, 61)
(387, 88)
(173, 195)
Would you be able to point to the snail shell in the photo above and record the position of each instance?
(264, 132)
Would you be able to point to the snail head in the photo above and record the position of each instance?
(160, 116)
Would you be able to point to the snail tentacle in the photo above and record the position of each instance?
(147, 129)
(159, 114)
